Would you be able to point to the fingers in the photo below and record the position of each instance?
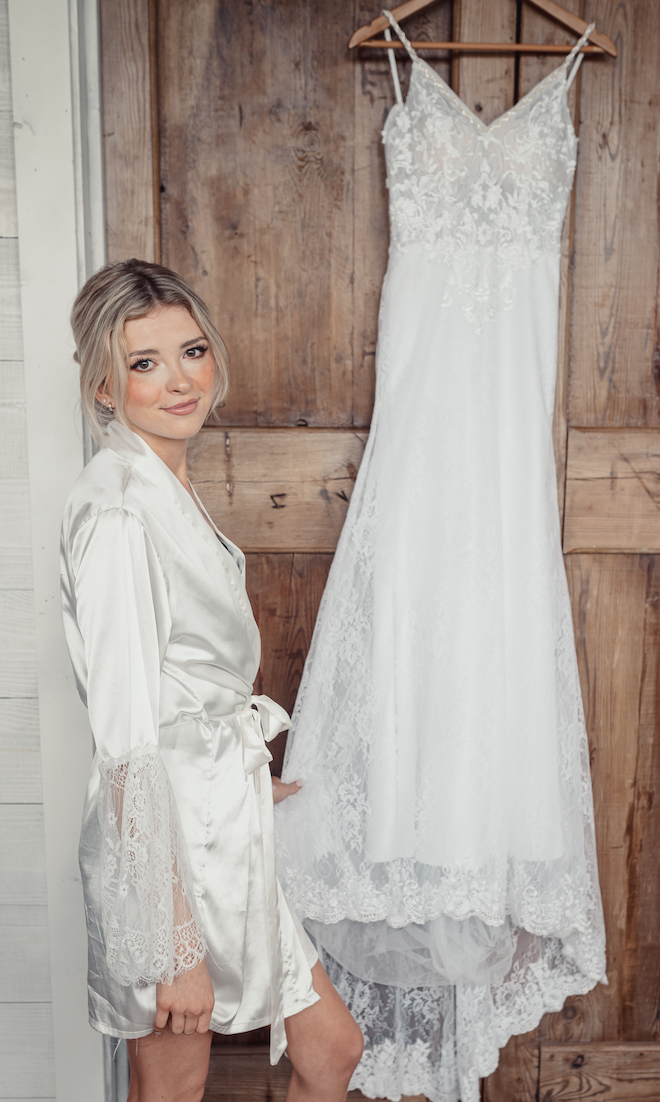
(178, 1022)
(281, 790)
(162, 1014)
(204, 1022)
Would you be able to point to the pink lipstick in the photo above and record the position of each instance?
(183, 408)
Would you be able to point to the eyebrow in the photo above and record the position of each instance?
(154, 351)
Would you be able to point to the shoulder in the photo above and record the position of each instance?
(107, 485)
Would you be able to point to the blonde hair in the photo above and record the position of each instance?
(116, 294)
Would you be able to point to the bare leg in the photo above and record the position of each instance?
(169, 1067)
(324, 1045)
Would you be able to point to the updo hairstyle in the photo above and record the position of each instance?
(123, 292)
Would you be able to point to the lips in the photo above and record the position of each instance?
(183, 408)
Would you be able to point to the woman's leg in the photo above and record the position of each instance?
(169, 1067)
(324, 1046)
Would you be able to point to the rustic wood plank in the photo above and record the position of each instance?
(265, 232)
(616, 259)
(485, 82)
(609, 594)
(239, 1076)
(22, 859)
(285, 592)
(277, 489)
(11, 333)
(24, 965)
(129, 139)
(612, 491)
(20, 751)
(641, 962)
(15, 547)
(618, 1072)
(517, 1074)
(26, 1050)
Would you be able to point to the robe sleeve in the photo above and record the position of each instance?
(149, 916)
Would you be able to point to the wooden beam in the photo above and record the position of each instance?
(617, 1071)
(277, 489)
(612, 490)
(130, 129)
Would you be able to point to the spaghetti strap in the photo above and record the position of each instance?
(574, 59)
(395, 72)
(395, 26)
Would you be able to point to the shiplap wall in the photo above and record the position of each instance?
(26, 1034)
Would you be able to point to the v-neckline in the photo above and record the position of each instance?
(449, 92)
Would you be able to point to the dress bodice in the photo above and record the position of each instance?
(483, 200)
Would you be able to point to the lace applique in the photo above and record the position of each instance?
(483, 201)
(150, 923)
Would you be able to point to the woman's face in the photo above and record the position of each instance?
(171, 376)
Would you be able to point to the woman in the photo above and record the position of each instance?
(188, 929)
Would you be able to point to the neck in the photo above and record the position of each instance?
(172, 452)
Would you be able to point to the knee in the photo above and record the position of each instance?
(347, 1050)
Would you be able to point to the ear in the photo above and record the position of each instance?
(105, 399)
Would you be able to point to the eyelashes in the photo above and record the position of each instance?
(145, 364)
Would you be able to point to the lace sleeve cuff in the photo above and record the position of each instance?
(151, 927)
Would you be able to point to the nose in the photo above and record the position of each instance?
(178, 382)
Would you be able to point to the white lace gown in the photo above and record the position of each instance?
(442, 849)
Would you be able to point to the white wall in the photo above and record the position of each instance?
(48, 1054)
(26, 1030)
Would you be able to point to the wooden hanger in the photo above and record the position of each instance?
(601, 43)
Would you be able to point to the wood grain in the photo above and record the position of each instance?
(609, 595)
(277, 489)
(485, 83)
(239, 1076)
(129, 140)
(516, 1078)
(612, 491)
(616, 259)
(285, 592)
(641, 963)
(618, 1072)
(265, 232)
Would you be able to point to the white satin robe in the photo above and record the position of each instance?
(176, 851)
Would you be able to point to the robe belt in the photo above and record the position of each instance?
(260, 720)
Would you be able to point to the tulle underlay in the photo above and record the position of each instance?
(438, 953)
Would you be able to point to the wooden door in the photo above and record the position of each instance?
(242, 146)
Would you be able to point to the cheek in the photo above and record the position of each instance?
(142, 390)
(205, 375)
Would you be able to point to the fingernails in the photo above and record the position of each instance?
(300, 783)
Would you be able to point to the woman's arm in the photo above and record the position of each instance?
(151, 929)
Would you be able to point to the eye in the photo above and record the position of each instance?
(196, 352)
(142, 365)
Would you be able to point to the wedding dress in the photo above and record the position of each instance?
(441, 852)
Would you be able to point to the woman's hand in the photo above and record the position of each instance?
(281, 790)
(189, 1000)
